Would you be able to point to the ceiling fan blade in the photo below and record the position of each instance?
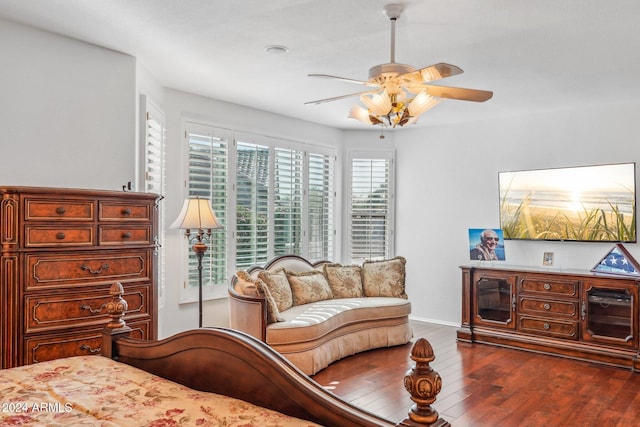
(336, 98)
(459, 93)
(344, 79)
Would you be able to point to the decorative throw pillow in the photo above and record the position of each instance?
(384, 278)
(345, 280)
(273, 314)
(309, 286)
(279, 287)
(245, 284)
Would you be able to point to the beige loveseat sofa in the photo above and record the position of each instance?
(315, 314)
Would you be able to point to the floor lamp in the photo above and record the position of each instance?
(197, 216)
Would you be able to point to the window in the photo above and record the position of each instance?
(321, 196)
(371, 207)
(273, 197)
(208, 178)
(154, 175)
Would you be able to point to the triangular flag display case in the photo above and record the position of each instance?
(618, 261)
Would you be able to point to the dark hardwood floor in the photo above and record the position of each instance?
(490, 386)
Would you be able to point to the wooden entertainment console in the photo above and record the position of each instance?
(570, 313)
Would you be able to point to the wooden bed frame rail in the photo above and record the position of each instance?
(235, 364)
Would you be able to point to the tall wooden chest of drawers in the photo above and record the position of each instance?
(61, 249)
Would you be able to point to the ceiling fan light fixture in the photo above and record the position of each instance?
(421, 103)
(379, 103)
(361, 114)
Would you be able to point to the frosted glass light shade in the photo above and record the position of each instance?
(196, 214)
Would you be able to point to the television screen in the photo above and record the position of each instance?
(585, 203)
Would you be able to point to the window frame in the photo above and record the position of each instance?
(302, 149)
(373, 155)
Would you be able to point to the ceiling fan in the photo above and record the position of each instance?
(400, 93)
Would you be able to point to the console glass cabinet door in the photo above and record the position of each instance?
(495, 302)
(608, 313)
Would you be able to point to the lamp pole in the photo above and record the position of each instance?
(199, 248)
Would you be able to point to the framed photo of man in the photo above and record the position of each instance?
(486, 244)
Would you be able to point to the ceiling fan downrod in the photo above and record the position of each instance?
(393, 12)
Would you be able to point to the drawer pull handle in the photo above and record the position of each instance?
(126, 211)
(547, 306)
(126, 235)
(546, 286)
(61, 211)
(60, 236)
(98, 271)
(546, 326)
(92, 310)
(89, 349)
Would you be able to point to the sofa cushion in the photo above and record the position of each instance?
(308, 286)
(279, 287)
(273, 314)
(245, 284)
(345, 280)
(384, 278)
(313, 321)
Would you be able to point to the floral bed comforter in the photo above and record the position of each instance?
(97, 391)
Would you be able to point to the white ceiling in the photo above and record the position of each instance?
(534, 54)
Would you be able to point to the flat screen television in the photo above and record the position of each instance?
(584, 203)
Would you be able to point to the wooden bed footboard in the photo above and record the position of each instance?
(235, 364)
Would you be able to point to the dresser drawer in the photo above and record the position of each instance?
(113, 211)
(551, 286)
(83, 268)
(56, 311)
(43, 236)
(67, 210)
(540, 307)
(560, 329)
(55, 346)
(124, 235)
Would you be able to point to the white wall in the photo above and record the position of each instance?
(447, 182)
(176, 317)
(67, 112)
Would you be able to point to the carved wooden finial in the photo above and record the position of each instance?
(116, 307)
(423, 384)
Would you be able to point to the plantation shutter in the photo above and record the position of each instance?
(154, 177)
(320, 207)
(252, 204)
(208, 179)
(287, 195)
(371, 214)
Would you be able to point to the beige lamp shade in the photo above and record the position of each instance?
(196, 214)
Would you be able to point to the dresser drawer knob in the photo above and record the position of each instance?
(93, 310)
(126, 235)
(546, 286)
(61, 211)
(98, 271)
(126, 211)
(547, 306)
(546, 326)
(60, 236)
(89, 349)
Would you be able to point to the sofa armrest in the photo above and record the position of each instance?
(247, 313)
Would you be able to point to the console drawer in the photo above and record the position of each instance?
(551, 286)
(121, 235)
(540, 307)
(58, 311)
(42, 236)
(112, 211)
(560, 329)
(83, 268)
(49, 347)
(58, 210)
